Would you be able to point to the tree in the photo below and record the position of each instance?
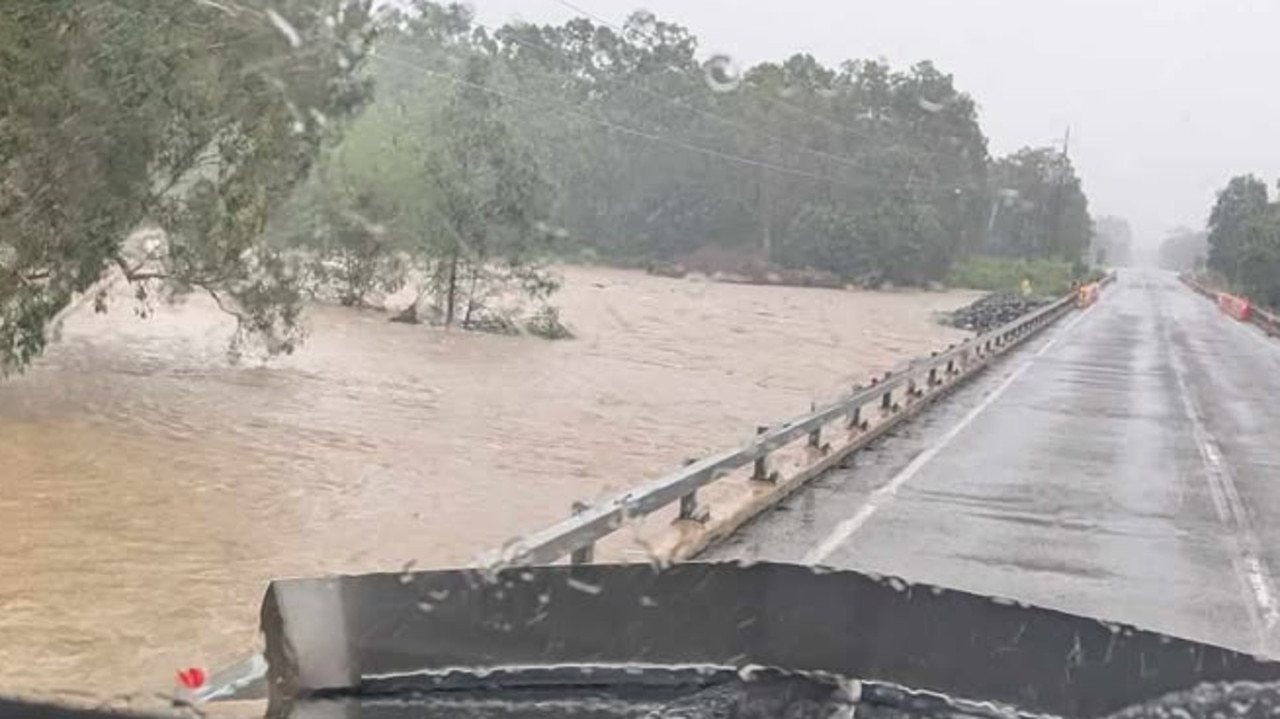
(431, 184)
(488, 198)
(1041, 210)
(1244, 239)
(1240, 206)
(198, 118)
(636, 153)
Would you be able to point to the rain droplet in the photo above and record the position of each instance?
(298, 127)
(647, 601)
(426, 607)
(722, 73)
(582, 586)
(930, 106)
(284, 27)
(406, 572)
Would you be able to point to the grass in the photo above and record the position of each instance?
(1004, 274)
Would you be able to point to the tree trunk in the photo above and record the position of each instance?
(471, 295)
(766, 217)
(451, 296)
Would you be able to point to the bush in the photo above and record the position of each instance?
(1004, 274)
(546, 324)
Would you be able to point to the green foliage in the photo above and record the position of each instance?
(1004, 274)
(640, 142)
(241, 129)
(197, 118)
(498, 148)
(1244, 239)
(438, 189)
(1040, 209)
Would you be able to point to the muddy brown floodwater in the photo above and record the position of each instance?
(150, 490)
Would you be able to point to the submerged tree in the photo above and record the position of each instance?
(490, 202)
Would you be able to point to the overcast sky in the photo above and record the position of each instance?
(1166, 99)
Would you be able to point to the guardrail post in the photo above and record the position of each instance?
(760, 471)
(587, 554)
(855, 417)
(689, 509)
(886, 399)
(815, 437)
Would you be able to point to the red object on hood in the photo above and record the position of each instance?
(191, 678)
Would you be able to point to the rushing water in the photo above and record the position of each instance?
(150, 490)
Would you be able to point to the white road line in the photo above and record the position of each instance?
(1256, 580)
(846, 529)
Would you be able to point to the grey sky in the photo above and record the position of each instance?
(1166, 99)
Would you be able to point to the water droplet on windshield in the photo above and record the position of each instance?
(284, 27)
(930, 106)
(406, 572)
(722, 73)
(582, 586)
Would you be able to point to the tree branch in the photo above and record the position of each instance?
(135, 274)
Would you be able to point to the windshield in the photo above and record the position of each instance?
(977, 296)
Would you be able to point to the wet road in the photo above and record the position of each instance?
(1121, 465)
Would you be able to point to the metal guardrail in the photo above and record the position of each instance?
(1267, 320)
(918, 379)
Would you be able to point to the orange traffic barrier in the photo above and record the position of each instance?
(1235, 307)
(1087, 294)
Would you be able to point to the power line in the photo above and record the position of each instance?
(676, 102)
(624, 129)
(564, 110)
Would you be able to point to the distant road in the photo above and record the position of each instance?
(1125, 465)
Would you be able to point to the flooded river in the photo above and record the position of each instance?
(151, 490)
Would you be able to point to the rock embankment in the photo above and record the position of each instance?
(992, 311)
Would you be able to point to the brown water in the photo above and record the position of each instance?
(150, 490)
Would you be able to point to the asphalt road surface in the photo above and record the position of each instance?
(1125, 464)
